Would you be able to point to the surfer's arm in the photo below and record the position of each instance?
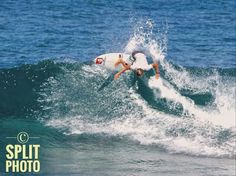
(155, 66)
(117, 75)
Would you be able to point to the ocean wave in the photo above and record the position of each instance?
(194, 119)
(152, 112)
(187, 110)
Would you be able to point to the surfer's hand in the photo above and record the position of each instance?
(117, 75)
(157, 75)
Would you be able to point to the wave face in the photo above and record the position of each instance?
(187, 110)
(177, 115)
(19, 87)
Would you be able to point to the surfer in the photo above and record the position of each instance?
(138, 63)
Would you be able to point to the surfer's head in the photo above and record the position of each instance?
(139, 72)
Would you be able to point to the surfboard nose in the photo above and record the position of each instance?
(99, 60)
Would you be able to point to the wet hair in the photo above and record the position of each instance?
(139, 72)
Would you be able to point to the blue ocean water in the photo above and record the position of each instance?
(184, 123)
(199, 32)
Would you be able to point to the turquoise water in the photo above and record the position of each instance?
(184, 123)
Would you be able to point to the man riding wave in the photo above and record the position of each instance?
(138, 63)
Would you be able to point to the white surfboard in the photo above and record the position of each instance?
(108, 60)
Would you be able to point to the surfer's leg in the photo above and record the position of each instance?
(119, 61)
